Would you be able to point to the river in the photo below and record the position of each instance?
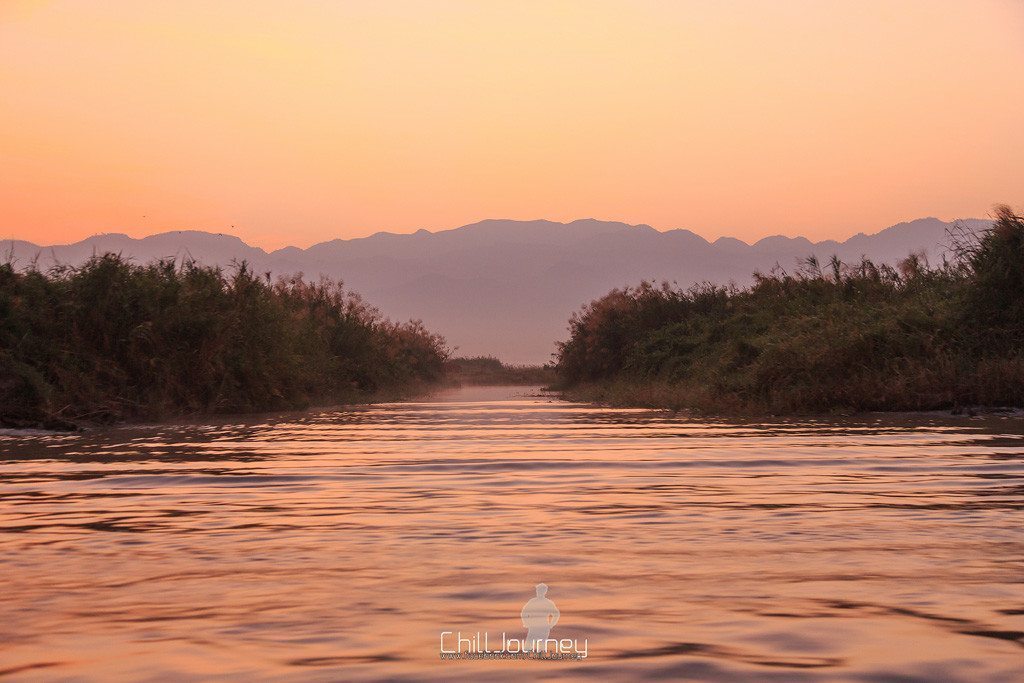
(343, 545)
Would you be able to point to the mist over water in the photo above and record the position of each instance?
(338, 545)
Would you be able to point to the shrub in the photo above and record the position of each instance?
(843, 337)
(111, 340)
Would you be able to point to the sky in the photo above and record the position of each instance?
(302, 121)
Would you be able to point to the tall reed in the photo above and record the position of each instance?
(111, 339)
(845, 337)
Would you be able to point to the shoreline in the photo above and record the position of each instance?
(669, 397)
(414, 393)
(616, 394)
(182, 418)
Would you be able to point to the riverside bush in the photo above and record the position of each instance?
(111, 340)
(838, 337)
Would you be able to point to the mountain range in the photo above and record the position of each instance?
(504, 287)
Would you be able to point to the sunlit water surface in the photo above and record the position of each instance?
(339, 545)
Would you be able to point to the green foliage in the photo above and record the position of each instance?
(842, 337)
(112, 340)
(488, 370)
(996, 267)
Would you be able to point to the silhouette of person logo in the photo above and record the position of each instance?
(539, 617)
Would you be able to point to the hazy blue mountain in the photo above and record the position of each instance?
(507, 287)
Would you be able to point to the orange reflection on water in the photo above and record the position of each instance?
(340, 544)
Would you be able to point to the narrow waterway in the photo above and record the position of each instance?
(340, 545)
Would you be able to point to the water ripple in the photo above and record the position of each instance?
(339, 544)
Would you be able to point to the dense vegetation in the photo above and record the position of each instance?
(111, 340)
(489, 370)
(839, 338)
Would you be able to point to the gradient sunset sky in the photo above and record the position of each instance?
(297, 122)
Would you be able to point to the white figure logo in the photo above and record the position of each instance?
(539, 616)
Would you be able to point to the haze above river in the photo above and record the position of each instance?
(339, 545)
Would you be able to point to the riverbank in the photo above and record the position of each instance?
(354, 401)
(113, 341)
(697, 402)
(487, 370)
(834, 338)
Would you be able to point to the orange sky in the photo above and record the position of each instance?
(296, 122)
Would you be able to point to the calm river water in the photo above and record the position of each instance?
(339, 545)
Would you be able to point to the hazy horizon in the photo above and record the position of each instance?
(505, 288)
(292, 123)
(709, 237)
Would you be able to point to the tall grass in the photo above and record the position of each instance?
(838, 337)
(481, 370)
(111, 340)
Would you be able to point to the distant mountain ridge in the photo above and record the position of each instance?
(504, 287)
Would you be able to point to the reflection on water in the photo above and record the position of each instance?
(338, 545)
